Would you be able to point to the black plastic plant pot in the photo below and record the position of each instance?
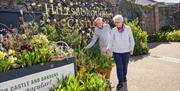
(40, 77)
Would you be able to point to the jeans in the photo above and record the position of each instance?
(121, 60)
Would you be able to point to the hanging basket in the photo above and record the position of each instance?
(67, 51)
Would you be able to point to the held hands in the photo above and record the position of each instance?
(108, 50)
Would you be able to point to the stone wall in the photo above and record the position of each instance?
(145, 14)
(168, 15)
(151, 18)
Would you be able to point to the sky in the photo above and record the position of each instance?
(169, 1)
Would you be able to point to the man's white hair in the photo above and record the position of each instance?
(118, 17)
(98, 18)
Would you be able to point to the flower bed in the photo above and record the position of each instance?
(30, 61)
(38, 77)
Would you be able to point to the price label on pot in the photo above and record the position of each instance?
(41, 81)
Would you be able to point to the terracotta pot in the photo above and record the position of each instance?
(105, 72)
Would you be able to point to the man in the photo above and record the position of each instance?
(122, 45)
(102, 34)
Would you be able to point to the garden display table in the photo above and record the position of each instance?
(38, 77)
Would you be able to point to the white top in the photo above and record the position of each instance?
(102, 35)
(121, 42)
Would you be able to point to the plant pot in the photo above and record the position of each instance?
(105, 72)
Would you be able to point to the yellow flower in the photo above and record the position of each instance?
(10, 52)
(2, 55)
(39, 39)
(15, 58)
(11, 59)
(24, 36)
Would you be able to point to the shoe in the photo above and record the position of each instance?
(119, 86)
(125, 80)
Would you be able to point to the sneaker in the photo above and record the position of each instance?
(119, 86)
(125, 80)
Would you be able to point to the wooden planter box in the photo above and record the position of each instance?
(37, 77)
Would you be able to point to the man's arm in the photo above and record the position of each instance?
(93, 41)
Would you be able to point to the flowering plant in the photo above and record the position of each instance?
(39, 39)
(26, 47)
(6, 60)
(39, 55)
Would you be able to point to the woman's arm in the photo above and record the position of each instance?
(131, 40)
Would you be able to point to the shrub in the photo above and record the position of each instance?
(173, 36)
(167, 28)
(176, 35)
(140, 38)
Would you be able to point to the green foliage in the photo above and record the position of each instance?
(6, 60)
(98, 59)
(5, 65)
(94, 82)
(90, 82)
(51, 32)
(173, 36)
(90, 60)
(167, 29)
(104, 61)
(40, 54)
(72, 37)
(176, 35)
(39, 39)
(140, 38)
(69, 84)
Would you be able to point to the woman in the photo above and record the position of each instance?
(122, 45)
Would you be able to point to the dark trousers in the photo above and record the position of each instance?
(121, 60)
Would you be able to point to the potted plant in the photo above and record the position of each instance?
(104, 65)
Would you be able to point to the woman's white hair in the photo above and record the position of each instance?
(98, 18)
(118, 17)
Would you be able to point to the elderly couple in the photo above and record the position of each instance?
(118, 41)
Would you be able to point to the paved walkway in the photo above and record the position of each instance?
(158, 71)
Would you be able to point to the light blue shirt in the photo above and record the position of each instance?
(121, 42)
(102, 35)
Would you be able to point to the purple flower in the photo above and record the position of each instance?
(55, 55)
(26, 47)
